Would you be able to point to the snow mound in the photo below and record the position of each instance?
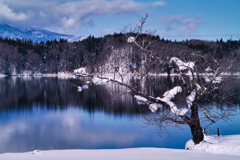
(229, 145)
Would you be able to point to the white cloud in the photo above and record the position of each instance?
(76, 12)
(69, 16)
(65, 14)
(42, 14)
(68, 22)
(181, 23)
(8, 14)
(159, 4)
(188, 28)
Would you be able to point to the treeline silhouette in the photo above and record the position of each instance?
(17, 56)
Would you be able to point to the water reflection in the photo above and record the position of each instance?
(54, 93)
(49, 113)
(75, 128)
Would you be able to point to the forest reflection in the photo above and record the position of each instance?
(53, 93)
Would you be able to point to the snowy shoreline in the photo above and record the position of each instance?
(72, 75)
(212, 148)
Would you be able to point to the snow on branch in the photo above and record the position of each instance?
(214, 80)
(175, 110)
(168, 95)
(190, 98)
(79, 89)
(182, 65)
(208, 69)
(130, 39)
(85, 86)
(141, 100)
(152, 106)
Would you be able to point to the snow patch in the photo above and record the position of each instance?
(208, 69)
(189, 73)
(214, 80)
(80, 71)
(64, 75)
(79, 89)
(76, 39)
(98, 81)
(85, 86)
(198, 87)
(133, 65)
(130, 39)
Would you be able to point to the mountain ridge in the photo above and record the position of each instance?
(33, 33)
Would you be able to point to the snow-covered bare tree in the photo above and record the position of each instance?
(202, 86)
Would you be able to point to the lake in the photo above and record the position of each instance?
(50, 113)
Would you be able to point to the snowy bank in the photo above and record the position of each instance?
(229, 145)
(80, 71)
(116, 154)
(61, 75)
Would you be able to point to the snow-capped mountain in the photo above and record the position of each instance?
(33, 33)
(75, 39)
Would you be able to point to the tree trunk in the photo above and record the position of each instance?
(195, 126)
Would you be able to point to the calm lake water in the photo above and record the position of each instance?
(49, 113)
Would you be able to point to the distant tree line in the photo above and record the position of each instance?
(100, 54)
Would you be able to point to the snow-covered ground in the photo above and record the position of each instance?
(117, 154)
(229, 145)
(213, 148)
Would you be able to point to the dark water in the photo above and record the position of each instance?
(49, 113)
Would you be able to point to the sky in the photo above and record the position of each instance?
(171, 19)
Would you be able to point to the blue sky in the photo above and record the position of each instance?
(172, 19)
